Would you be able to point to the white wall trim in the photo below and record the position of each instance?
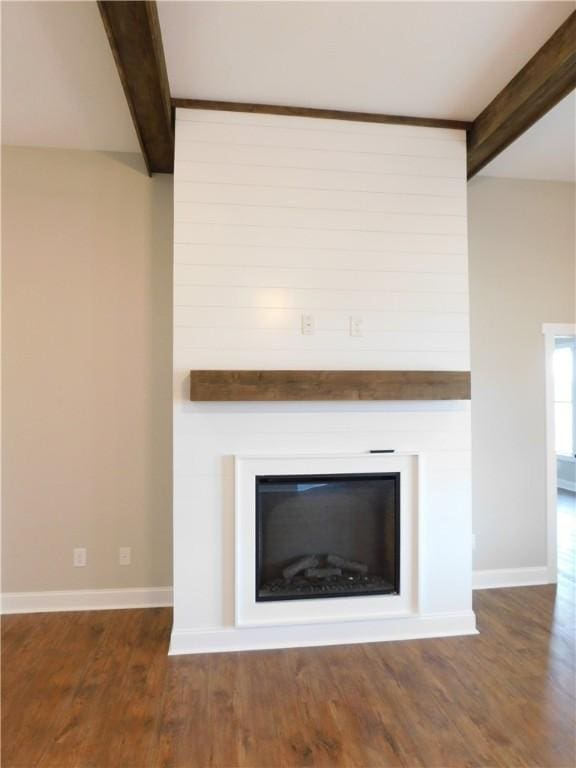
(190, 641)
(559, 329)
(85, 600)
(250, 613)
(510, 577)
(566, 485)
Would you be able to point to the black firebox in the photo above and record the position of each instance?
(320, 536)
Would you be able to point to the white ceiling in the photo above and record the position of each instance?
(545, 151)
(424, 59)
(433, 59)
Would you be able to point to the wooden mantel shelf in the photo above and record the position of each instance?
(328, 385)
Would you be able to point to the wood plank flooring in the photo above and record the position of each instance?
(96, 690)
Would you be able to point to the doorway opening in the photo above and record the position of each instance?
(561, 450)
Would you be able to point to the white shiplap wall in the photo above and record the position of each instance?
(280, 216)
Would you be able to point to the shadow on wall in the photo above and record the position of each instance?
(159, 459)
(158, 240)
(136, 163)
(157, 244)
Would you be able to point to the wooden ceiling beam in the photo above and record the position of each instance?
(326, 114)
(539, 85)
(134, 34)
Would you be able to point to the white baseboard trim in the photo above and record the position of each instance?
(159, 597)
(85, 600)
(510, 577)
(566, 485)
(190, 641)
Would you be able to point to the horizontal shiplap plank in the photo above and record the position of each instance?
(230, 193)
(245, 235)
(323, 179)
(201, 465)
(211, 465)
(204, 456)
(333, 141)
(309, 258)
(312, 359)
(326, 341)
(211, 419)
(230, 431)
(277, 157)
(324, 125)
(196, 464)
(325, 279)
(325, 320)
(274, 297)
(277, 216)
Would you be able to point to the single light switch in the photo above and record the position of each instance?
(307, 325)
(356, 326)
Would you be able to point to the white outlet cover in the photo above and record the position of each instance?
(79, 557)
(125, 555)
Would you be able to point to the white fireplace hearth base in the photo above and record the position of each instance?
(435, 595)
(341, 633)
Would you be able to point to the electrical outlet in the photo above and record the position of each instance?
(125, 555)
(79, 557)
(356, 326)
(307, 325)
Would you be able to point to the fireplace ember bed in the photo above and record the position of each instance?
(322, 536)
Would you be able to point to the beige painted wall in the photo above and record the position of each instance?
(87, 255)
(522, 274)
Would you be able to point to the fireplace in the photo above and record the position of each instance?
(327, 535)
(311, 527)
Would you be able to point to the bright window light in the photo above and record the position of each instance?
(563, 400)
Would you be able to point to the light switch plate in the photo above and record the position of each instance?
(356, 326)
(307, 325)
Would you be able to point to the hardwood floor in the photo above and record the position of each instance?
(97, 690)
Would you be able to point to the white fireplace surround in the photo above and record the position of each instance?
(434, 592)
(250, 613)
(277, 218)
